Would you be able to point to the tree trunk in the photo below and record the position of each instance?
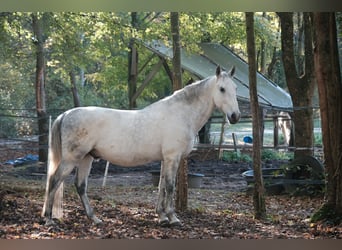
(43, 126)
(259, 191)
(327, 69)
(263, 52)
(300, 87)
(272, 64)
(182, 175)
(176, 60)
(132, 64)
(299, 43)
(74, 91)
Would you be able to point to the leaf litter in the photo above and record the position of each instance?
(217, 210)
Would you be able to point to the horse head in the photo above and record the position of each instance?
(225, 95)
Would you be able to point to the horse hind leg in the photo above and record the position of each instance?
(54, 192)
(81, 183)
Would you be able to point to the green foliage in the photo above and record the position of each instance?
(318, 139)
(269, 154)
(232, 156)
(7, 126)
(267, 28)
(94, 45)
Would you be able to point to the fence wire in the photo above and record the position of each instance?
(19, 131)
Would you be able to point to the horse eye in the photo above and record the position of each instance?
(222, 90)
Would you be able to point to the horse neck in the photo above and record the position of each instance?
(199, 103)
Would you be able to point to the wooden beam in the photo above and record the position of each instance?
(145, 64)
(167, 69)
(149, 77)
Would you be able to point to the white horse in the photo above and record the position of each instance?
(163, 131)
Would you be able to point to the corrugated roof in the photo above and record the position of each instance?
(204, 65)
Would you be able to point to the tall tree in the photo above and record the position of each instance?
(262, 52)
(182, 176)
(67, 50)
(75, 95)
(259, 191)
(132, 63)
(300, 86)
(328, 75)
(37, 26)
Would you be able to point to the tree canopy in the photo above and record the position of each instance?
(94, 46)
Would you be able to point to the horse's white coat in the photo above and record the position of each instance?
(163, 131)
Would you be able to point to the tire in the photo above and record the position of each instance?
(305, 167)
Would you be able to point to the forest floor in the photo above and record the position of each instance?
(220, 209)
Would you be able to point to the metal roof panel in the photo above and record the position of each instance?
(204, 65)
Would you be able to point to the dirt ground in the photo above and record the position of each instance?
(219, 209)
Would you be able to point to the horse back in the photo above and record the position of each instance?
(122, 137)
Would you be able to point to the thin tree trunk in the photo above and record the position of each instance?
(263, 52)
(176, 60)
(132, 64)
(274, 60)
(259, 191)
(327, 69)
(40, 88)
(272, 64)
(182, 175)
(76, 98)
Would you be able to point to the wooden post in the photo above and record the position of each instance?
(234, 141)
(105, 175)
(221, 137)
(275, 132)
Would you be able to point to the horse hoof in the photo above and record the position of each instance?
(97, 221)
(49, 222)
(176, 224)
(164, 223)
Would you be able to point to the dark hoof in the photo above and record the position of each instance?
(97, 221)
(164, 223)
(176, 224)
(49, 222)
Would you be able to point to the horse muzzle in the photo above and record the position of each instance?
(234, 117)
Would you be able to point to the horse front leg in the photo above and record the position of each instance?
(163, 220)
(165, 206)
(81, 183)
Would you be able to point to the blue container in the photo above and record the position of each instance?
(248, 139)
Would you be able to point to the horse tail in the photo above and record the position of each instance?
(54, 159)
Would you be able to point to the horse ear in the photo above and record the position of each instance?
(218, 71)
(232, 71)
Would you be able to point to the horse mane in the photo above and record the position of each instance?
(187, 95)
(192, 91)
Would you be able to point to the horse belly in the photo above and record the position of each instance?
(132, 156)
